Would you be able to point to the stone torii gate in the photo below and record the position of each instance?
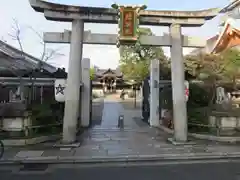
(77, 37)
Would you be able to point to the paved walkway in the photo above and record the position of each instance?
(108, 140)
(110, 114)
(137, 140)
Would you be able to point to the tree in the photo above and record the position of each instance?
(135, 59)
(232, 69)
(206, 67)
(223, 66)
(47, 53)
(215, 68)
(92, 73)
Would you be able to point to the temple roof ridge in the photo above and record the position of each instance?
(230, 25)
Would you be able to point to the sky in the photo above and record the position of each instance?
(101, 56)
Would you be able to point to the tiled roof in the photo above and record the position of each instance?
(230, 26)
(101, 72)
(16, 59)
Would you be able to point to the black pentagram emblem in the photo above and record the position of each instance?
(60, 89)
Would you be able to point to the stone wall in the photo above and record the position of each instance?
(14, 126)
(224, 125)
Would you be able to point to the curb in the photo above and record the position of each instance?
(122, 159)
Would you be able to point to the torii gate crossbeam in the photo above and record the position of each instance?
(110, 39)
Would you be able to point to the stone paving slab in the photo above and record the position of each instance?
(26, 154)
(60, 153)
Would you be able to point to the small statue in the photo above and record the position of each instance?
(220, 93)
(223, 98)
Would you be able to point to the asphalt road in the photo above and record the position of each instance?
(189, 171)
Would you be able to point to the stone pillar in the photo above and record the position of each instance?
(72, 95)
(178, 88)
(154, 93)
(85, 93)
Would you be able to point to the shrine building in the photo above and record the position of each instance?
(229, 37)
(109, 81)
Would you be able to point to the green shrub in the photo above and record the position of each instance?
(197, 108)
(197, 105)
(198, 96)
(47, 113)
(198, 119)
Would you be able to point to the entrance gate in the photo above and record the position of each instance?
(77, 37)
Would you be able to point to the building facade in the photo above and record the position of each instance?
(24, 77)
(109, 81)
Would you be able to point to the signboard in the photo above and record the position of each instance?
(59, 89)
(128, 25)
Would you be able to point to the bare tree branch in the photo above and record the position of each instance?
(15, 35)
(47, 53)
(51, 54)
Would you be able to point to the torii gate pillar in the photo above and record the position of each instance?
(178, 87)
(72, 96)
